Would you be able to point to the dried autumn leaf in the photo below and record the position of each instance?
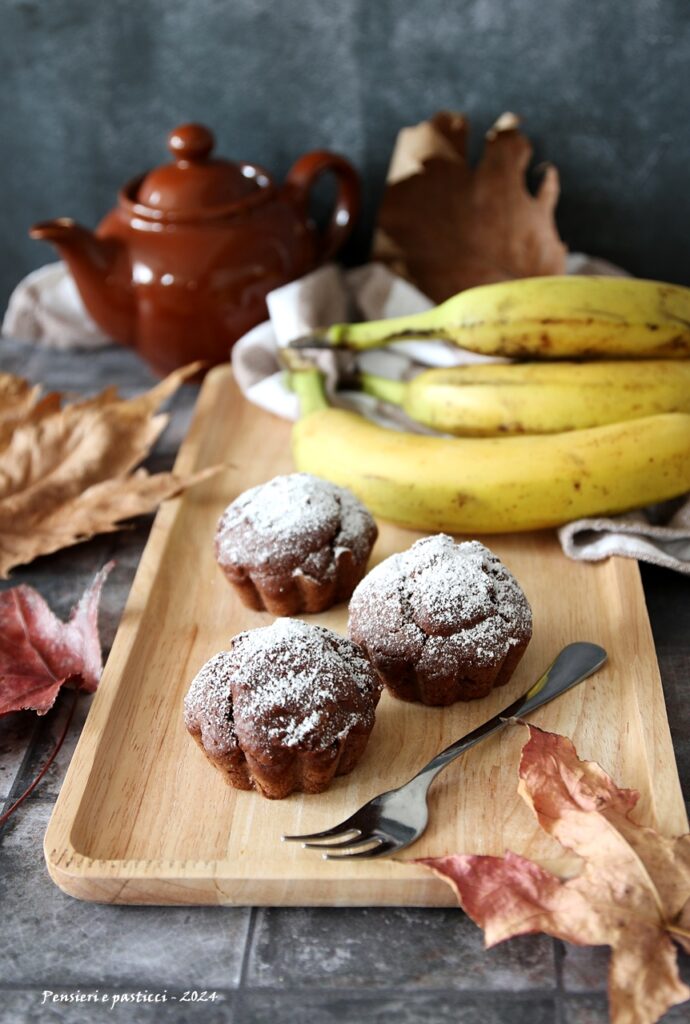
(66, 474)
(17, 399)
(447, 227)
(632, 894)
(39, 653)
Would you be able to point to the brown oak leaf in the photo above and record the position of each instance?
(39, 653)
(632, 894)
(446, 226)
(67, 474)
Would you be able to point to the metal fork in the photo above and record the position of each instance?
(396, 819)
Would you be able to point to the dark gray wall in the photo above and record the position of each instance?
(90, 87)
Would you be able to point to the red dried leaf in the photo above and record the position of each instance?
(633, 893)
(38, 652)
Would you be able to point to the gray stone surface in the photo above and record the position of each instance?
(668, 602)
(90, 90)
(68, 707)
(26, 1006)
(594, 1010)
(585, 968)
(268, 966)
(357, 1007)
(372, 949)
(59, 941)
(17, 733)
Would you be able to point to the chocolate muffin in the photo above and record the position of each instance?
(295, 544)
(287, 708)
(441, 622)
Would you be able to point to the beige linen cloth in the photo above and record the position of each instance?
(45, 308)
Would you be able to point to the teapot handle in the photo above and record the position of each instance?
(300, 178)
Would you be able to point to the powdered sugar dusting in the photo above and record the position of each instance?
(288, 685)
(300, 519)
(208, 706)
(297, 685)
(441, 602)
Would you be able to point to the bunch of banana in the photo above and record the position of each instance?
(491, 485)
(547, 318)
(492, 400)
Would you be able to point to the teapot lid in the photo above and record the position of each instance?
(195, 181)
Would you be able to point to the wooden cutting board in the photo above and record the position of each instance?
(143, 818)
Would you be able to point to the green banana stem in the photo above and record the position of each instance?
(384, 388)
(310, 389)
(373, 333)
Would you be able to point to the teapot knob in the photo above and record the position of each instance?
(190, 142)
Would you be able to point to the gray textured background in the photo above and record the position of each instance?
(89, 90)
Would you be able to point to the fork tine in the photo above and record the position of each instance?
(384, 846)
(330, 833)
(358, 840)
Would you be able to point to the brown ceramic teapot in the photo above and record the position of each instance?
(181, 268)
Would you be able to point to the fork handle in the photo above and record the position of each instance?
(575, 662)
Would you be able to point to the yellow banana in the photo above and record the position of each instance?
(491, 485)
(547, 318)
(537, 398)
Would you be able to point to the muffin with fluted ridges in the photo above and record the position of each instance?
(442, 621)
(295, 544)
(286, 709)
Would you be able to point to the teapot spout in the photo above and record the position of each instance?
(58, 231)
(100, 269)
